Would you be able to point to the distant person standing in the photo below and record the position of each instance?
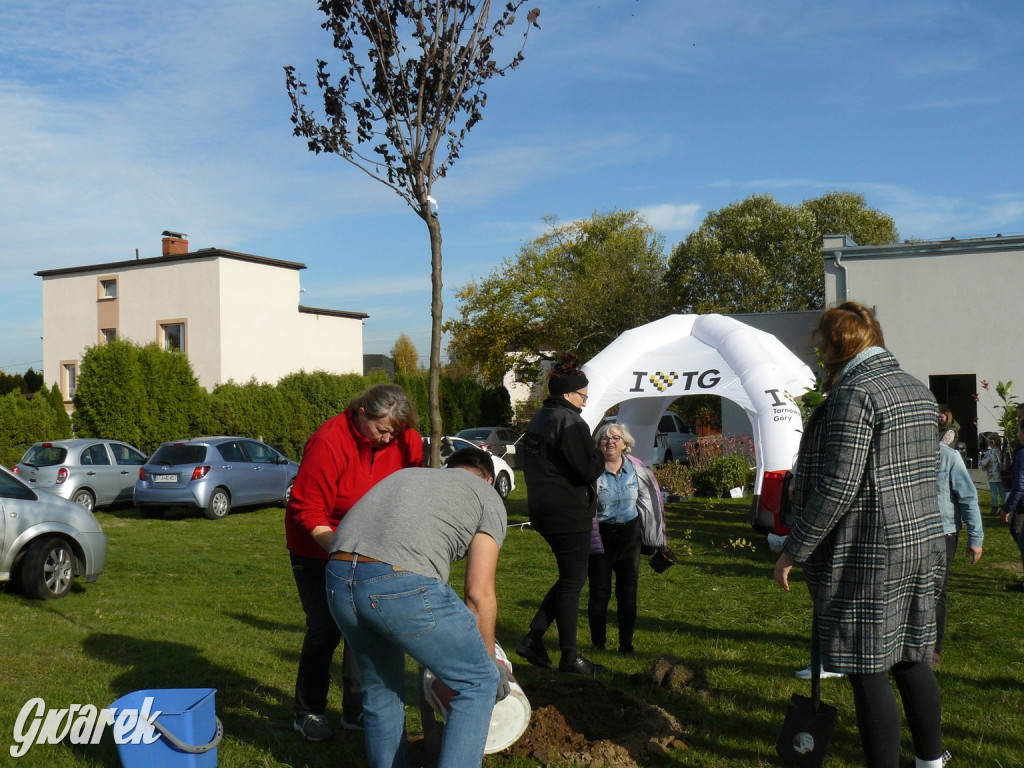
(949, 430)
(343, 459)
(561, 467)
(625, 489)
(992, 462)
(1014, 506)
(958, 505)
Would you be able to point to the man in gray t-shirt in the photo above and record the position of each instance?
(387, 588)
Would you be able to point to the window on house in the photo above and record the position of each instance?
(108, 288)
(69, 379)
(173, 336)
(108, 334)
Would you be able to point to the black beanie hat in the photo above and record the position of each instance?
(561, 385)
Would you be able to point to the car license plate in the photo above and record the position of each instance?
(165, 478)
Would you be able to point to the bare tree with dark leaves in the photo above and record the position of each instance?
(410, 91)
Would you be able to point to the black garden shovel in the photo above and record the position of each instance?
(804, 738)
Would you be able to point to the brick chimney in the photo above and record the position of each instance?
(174, 243)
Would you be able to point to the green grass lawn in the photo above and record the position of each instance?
(189, 603)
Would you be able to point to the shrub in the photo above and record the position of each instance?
(674, 479)
(140, 394)
(24, 421)
(265, 412)
(719, 463)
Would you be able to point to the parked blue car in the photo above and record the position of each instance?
(214, 474)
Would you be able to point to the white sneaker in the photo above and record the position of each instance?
(805, 673)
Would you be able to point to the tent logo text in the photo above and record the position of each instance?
(662, 381)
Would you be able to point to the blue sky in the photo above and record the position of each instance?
(120, 119)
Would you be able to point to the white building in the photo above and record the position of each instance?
(523, 389)
(948, 311)
(234, 315)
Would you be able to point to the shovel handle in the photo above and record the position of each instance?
(815, 662)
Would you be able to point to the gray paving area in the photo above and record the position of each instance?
(980, 478)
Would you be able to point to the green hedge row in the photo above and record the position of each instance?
(146, 396)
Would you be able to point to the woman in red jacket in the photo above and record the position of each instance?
(344, 458)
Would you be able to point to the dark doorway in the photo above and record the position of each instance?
(958, 391)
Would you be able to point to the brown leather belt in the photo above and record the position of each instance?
(350, 556)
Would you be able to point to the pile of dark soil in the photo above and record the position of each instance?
(583, 722)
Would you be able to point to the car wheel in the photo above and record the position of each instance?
(288, 493)
(48, 569)
(503, 484)
(85, 498)
(668, 457)
(219, 506)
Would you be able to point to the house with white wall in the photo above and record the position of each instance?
(234, 315)
(522, 388)
(948, 311)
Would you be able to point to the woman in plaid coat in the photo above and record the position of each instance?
(869, 534)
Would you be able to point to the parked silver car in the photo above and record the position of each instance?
(214, 474)
(500, 441)
(46, 541)
(90, 472)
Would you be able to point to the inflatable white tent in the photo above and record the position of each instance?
(647, 368)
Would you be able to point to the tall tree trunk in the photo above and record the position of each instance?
(436, 316)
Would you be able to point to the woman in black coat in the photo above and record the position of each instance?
(562, 464)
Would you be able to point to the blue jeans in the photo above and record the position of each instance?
(998, 494)
(385, 614)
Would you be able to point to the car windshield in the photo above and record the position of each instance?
(179, 453)
(45, 455)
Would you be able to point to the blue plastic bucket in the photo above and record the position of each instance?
(187, 724)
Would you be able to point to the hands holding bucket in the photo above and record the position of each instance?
(505, 678)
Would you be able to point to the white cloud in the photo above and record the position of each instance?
(671, 218)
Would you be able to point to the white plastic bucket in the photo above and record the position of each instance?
(509, 718)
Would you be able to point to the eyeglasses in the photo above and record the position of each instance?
(611, 439)
(584, 395)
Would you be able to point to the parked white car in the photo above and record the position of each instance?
(672, 438)
(504, 477)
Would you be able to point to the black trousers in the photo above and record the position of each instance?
(322, 637)
(878, 713)
(940, 598)
(621, 559)
(561, 604)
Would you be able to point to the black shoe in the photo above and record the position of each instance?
(1016, 586)
(313, 727)
(627, 649)
(533, 651)
(580, 666)
(599, 646)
